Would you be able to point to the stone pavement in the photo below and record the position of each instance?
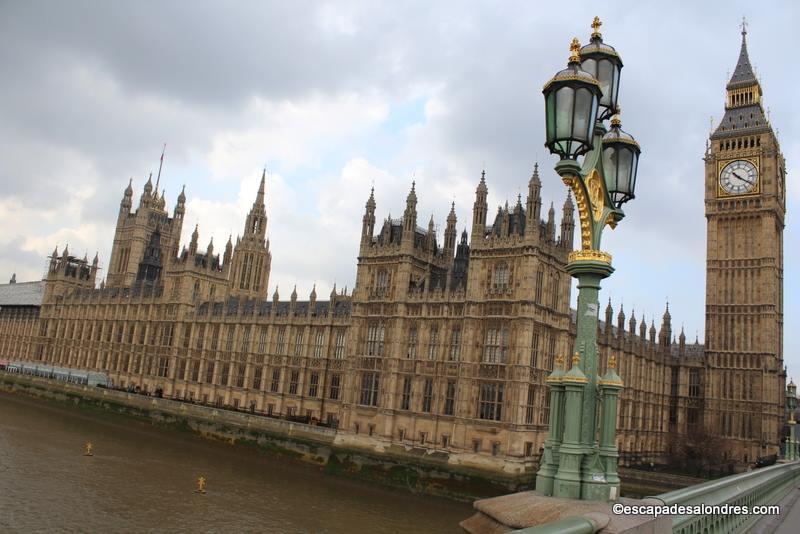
(788, 522)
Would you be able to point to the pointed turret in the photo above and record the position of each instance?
(180, 205)
(13, 278)
(609, 316)
(621, 319)
(96, 259)
(480, 209)
(193, 242)
(210, 251)
(534, 204)
(568, 223)
(682, 341)
(226, 258)
(54, 259)
(665, 336)
(632, 323)
(312, 297)
(410, 216)
(261, 188)
(551, 223)
(368, 225)
(450, 232)
(431, 237)
(504, 220)
(293, 296)
(652, 331)
(147, 192)
(127, 199)
(256, 223)
(643, 329)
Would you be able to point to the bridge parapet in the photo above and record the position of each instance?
(764, 486)
(760, 487)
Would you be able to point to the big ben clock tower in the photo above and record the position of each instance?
(745, 204)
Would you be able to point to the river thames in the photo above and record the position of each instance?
(141, 479)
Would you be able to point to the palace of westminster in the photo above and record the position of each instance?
(441, 345)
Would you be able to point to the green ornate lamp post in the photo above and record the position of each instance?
(791, 452)
(580, 460)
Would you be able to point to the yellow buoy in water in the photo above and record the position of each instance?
(88, 451)
(201, 485)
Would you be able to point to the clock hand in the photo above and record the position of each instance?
(742, 178)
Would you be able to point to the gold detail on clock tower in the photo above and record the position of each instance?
(748, 184)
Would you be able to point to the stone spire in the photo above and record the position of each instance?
(450, 232)
(568, 223)
(368, 226)
(127, 199)
(261, 186)
(534, 205)
(621, 319)
(665, 336)
(551, 223)
(226, 258)
(13, 278)
(147, 192)
(193, 242)
(410, 215)
(180, 205)
(632, 323)
(256, 223)
(313, 296)
(479, 209)
(431, 234)
(682, 340)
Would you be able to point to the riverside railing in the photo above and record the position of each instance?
(760, 487)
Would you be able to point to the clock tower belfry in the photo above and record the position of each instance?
(745, 185)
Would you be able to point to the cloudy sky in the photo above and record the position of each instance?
(335, 96)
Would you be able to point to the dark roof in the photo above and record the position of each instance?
(743, 74)
(22, 294)
(742, 120)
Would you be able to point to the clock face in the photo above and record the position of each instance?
(738, 177)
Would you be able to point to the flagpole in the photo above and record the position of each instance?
(160, 164)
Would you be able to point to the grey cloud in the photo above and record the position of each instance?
(91, 89)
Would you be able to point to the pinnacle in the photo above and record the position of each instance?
(743, 74)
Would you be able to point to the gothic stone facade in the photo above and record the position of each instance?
(440, 347)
